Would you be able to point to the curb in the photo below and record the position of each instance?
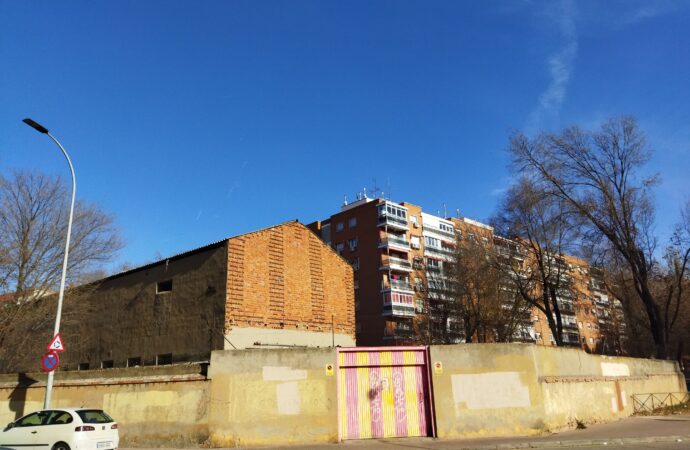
(579, 443)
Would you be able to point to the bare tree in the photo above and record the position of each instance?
(542, 227)
(677, 257)
(33, 227)
(481, 295)
(597, 174)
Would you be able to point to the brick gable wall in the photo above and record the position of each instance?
(285, 277)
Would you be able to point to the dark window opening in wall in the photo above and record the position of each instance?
(164, 359)
(164, 286)
(107, 364)
(133, 362)
(83, 366)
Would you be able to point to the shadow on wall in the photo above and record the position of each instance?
(18, 395)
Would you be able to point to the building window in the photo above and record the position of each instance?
(339, 247)
(432, 242)
(339, 226)
(164, 286)
(589, 325)
(134, 362)
(355, 264)
(352, 223)
(579, 325)
(392, 211)
(164, 359)
(433, 263)
(108, 364)
(352, 243)
(447, 228)
(413, 219)
(414, 242)
(83, 366)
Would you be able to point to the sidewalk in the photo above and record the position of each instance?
(627, 431)
(632, 430)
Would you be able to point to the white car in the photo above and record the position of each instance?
(62, 429)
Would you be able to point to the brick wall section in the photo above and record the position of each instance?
(285, 277)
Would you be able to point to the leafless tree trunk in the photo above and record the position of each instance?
(597, 174)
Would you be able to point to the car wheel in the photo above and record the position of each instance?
(61, 446)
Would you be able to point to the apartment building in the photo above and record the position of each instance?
(401, 255)
(276, 287)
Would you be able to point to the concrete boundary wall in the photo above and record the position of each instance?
(273, 397)
(262, 397)
(523, 389)
(164, 405)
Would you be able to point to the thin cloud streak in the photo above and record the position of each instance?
(560, 65)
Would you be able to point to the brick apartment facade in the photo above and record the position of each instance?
(280, 286)
(398, 253)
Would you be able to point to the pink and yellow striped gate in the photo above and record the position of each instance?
(383, 392)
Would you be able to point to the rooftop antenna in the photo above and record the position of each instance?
(457, 212)
(445, 213)
(345, 202)
(375, 189)
(365, 192)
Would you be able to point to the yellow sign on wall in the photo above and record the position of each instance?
(438, 367)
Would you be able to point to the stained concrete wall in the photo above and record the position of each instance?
(521, 389)
(485, 389)
(165, 405)
(258, 397)
(270, 397)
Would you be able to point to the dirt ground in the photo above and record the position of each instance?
(678, 410)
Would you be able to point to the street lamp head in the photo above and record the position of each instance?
(36, 126)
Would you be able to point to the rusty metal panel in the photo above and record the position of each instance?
(383, 392)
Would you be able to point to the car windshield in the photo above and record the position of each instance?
(94, 416)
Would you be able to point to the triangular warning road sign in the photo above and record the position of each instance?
(56, 344)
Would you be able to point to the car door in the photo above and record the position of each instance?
(22, 435)
(57, 428)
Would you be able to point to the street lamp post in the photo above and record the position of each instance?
(41, 129)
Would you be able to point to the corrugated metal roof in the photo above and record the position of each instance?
(193, 251)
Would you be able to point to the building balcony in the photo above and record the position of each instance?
(394, 222)
(399, 333)
(393, 263)
(566, 309)
(446, 253)
(397, 285)
(395, 243)
(433, 270)
(398, 310)
(450, 234)
(438, 294)
(569, 326)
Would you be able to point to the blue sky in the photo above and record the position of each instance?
(194, 121)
